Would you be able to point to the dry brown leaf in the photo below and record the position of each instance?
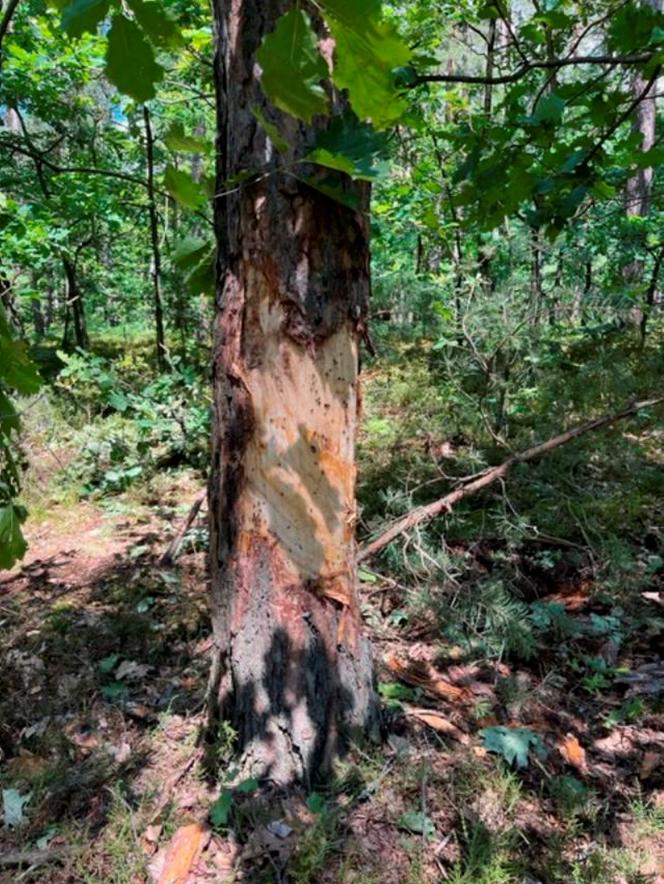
(574, 595)
(573, 752)
(438, 722)
(420, 674)
(183, 851)
(649, 762)
(27, 766)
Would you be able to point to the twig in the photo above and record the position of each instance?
(171, 783)
(174, 547)
(445, 504)
(32, 857)
(535, 64)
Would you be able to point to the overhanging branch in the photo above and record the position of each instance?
(535, 64)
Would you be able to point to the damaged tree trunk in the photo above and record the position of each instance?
(292, 669)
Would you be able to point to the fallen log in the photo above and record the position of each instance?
(444, 504)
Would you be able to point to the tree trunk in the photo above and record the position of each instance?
(639, 187)
(536, 293)
(155, 265)
(292, 669)
(74, 306)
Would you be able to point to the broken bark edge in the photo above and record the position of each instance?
(487, 477)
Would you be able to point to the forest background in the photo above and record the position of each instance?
(514, 157)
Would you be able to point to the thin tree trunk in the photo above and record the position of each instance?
(156, 252)
(292, 669)
(651, 295)
(639, 187)
(536, 293)
(9, 303)
(75, 307)
(38, 318)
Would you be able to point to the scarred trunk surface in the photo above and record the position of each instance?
(292, 670)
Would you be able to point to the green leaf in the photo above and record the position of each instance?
(349, 146)
(196, 258)
(176, 139)
(631, 27)
(17, 370)
(9, 419)
(246, 787)
(271, 130)
(189, 250)
(108, 664)
(419, 823)
(353, 14)
(366, 576)
(159, 27)
(550, 108)
(184, 189)
(117, 400)
(292, 67)
(514, 744)
(144, 605)
(221, 809)
(12, 542)
(130, 62)
(316, 803)
(331, 186)
(12, 807)
(395, 691)
(369, 54)
(115, 690)
(84, 15)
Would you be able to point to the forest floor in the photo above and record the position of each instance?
(102, 681)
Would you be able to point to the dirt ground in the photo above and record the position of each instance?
(102, 691)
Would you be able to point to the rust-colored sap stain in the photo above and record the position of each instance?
(300, 460)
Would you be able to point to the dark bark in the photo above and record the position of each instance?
(291, 669)
(536, 293)
(5, 23)
(9, 303)
(651, 297)
(74, 307)
(38, 318)
(155, 265)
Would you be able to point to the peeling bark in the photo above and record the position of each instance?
(292, 670)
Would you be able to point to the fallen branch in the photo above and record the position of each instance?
(174, 547)
(445, 504)
(32, 857)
